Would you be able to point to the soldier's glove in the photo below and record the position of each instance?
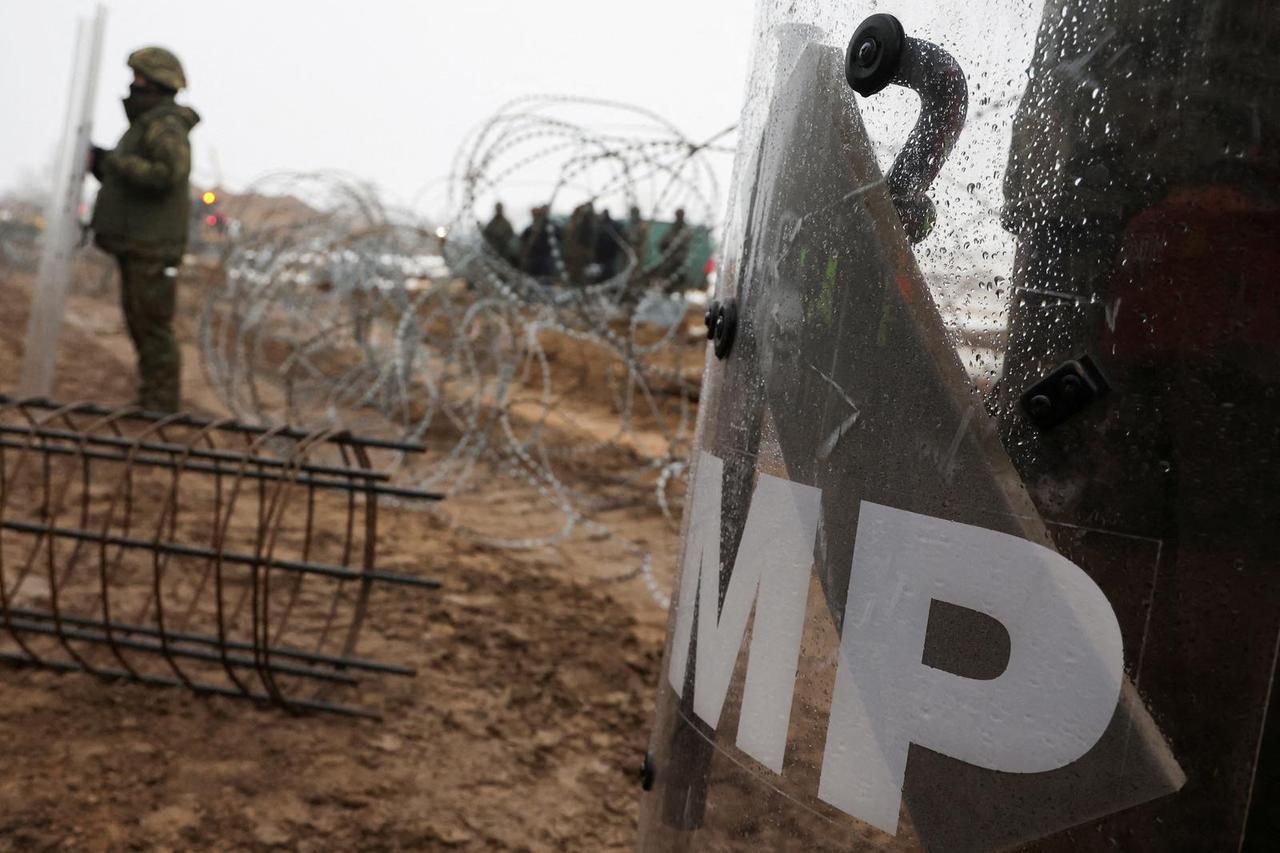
(97, 157)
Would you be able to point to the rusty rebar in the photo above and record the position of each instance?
(174, 550)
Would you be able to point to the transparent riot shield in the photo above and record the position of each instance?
(62, 212)
(976, 553)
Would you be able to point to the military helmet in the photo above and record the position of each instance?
(158, 65)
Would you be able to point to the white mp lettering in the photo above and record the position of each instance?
(1050, 705)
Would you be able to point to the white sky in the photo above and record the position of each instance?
(387, 90)
(384, 89)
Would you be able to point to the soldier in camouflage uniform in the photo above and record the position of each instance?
(141, 216)
(500, 235)
(637, 234)
(536, 255)
(608, 246)
(673, 252)
(579, 242)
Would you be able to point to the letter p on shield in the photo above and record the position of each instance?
(1047, 709)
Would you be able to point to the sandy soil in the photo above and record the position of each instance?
(523, 730)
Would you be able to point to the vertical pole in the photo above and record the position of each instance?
(53, 277)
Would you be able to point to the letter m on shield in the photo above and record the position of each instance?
(770, 575)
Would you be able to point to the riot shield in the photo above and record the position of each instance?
(920, 610)
(62, 230)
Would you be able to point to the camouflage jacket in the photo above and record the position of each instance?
(144, 203)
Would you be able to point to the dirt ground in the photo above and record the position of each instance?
(523, 730)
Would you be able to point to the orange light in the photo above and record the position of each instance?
(211, 219)
(209, 197)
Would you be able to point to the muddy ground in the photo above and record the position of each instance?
(523, 729)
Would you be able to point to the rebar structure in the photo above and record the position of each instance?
(177, 551)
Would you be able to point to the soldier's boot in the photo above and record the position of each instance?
(148, 292)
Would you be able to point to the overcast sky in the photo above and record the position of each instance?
(388, 89)
(385, 89)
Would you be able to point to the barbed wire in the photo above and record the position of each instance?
(576, 381)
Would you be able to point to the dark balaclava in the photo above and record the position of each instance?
(145, 97)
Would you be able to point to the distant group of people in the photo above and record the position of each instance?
(592, 246)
